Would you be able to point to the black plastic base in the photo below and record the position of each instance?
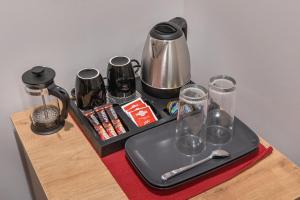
(47, 131)
(161, 93)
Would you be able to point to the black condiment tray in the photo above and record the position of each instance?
(114, 144)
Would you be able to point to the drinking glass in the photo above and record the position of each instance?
(221, 110)
(191, 119)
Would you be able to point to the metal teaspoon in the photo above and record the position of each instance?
(219, 153)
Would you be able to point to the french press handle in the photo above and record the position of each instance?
(61, 94)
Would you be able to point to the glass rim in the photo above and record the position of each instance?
(222, 89)
(189, 98)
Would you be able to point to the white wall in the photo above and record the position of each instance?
(66, 35)
(258, 43)
(255, 41)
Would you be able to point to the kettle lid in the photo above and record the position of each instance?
(38, 77)
(166, 31)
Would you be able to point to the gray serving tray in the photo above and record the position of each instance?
(154, 152)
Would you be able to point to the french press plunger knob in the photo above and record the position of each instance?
(49, 117)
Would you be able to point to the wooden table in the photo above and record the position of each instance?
(65, 166)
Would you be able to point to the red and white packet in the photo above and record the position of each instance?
(139, 112)
(136, 104)
(143, 116)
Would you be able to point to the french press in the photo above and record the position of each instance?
(49, 117)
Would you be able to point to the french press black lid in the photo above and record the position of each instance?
(38, 77)
(49, 117)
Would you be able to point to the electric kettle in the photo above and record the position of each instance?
(49, 116)
(165, 66)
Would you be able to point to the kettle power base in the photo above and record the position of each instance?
(161, 93)
(114, 144)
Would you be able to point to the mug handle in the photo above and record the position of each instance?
(72, 94)
(138, 66)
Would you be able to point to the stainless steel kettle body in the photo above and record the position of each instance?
(166, 60)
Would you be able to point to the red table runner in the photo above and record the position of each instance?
(135, 188)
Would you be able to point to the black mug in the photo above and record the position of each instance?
(121, 76)
(89, 89)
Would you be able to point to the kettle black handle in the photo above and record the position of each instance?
(181, 22)
(62, 94)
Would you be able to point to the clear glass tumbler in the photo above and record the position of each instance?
(221, 109)
(191, 119)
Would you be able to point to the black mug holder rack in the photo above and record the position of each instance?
(106, 147)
